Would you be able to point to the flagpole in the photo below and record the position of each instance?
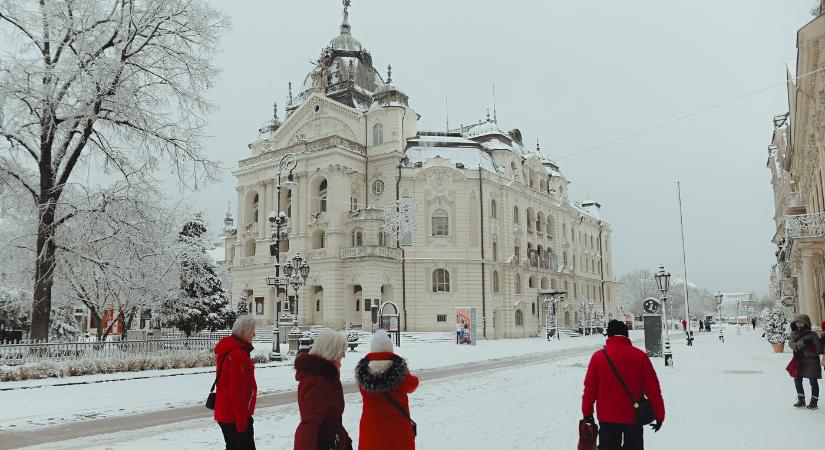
(684, 258)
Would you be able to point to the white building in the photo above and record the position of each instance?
(493, 222)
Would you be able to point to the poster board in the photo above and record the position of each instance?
(465, 325)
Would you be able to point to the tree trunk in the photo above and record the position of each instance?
(44, 272)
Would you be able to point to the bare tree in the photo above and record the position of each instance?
(119, 84)
(635, 287)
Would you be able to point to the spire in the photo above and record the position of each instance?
(488, 114)
(538, 146)
(275, 111)
(345, 26)
(389, 73)
(495, 115)
(289, 102)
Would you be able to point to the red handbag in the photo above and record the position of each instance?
(793, 367)
(588, 432)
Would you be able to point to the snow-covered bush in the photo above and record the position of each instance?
(774, 322)
(15, 308)
(63, 325)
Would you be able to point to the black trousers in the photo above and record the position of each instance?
(238, 441)
(612, 434)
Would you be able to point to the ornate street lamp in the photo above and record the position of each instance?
(663, 284)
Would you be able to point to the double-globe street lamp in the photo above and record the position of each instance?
(296, 273)
(278, 219)
(663, 284)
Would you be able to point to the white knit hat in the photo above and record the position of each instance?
(381, 341)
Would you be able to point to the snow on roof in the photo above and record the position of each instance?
(496, 144)
(450, 139)
(485, 129)
(470, 157)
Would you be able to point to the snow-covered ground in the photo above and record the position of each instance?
(731, 395)
(48, 402)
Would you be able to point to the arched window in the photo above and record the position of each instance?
(382, 239)
(441, 280)
(493, 209)
(531, 282)
(495, 251)
(441, 223)
(519, 318)
(358, 238)
(322, 194)
(255, 208)
(518, 284)
(378, 134)
(317, 305)
(318, 239)
(249, 247)
(533, 308)
(496, 287)
(515, 214)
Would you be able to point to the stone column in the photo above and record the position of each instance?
(263, 212)
(808, 301)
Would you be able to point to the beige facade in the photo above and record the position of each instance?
(797, 162)
(494, 225)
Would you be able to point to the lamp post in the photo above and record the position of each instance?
(663, 283)
(551, 299)
(719, 298)
(278, 219)
(296, 273)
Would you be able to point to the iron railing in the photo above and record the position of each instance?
(805, 225)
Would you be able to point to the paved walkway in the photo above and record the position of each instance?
(11, 440)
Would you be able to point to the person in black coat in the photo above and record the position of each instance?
(806, 347)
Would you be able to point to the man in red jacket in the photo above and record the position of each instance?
(617, 416)
(236, 388)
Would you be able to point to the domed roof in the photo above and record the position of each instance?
(485, 129)
(345, 42)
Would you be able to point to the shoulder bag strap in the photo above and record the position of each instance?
(397, 406)
(621, 381)
(220, 367)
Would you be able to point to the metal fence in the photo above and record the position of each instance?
(33, 351)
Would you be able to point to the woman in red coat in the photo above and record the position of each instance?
(321, 396)
(236, 388)
(382, 373)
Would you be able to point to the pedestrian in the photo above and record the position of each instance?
(385, 382)
(806, 347)
(707, 324)
(753, 323)
(618, 428)
(701, 325)
(236, 389)
(684, 325)
(320, 394)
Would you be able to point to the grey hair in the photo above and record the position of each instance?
(330, 345)
(243, 326)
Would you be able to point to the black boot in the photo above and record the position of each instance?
(813, 404)
(800, 401)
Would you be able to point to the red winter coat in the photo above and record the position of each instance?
(321, 402)
(382, 424)
(602, 387)
(236, 389)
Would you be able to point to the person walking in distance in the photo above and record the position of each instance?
(701, 325)
(320, 395)
(753, 323)
(806, 347)
(385, 381)
(684, 325)
(615, 374)
(236, 389)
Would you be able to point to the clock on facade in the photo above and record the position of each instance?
(651, 306)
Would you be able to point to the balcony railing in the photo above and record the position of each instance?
(367, 214)
(317, 253)
(381, 252)
(805, 225)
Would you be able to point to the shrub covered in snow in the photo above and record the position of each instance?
(774, 325)
(91, 366)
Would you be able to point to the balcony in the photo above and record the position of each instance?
(375, 251)
(805, 226)
(316, 254)
(366, 214)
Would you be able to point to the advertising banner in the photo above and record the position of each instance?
(465, 325)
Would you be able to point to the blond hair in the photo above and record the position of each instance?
(329, 345)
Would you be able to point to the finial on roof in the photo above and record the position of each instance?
(495, 114)
(275, 110)
(345, 27)
(538, 146)
(488, 114)
(289, 102)
(389, 73)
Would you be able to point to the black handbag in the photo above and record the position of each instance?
(642, 406)
(210, 399)
(403, 412)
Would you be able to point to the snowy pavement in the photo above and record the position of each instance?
(731, 395)
(47, 403)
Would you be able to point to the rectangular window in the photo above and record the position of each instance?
(367, 304)
(440, 226)
(441, 318)
(518, 254)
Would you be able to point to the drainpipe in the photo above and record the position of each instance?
(483, 268)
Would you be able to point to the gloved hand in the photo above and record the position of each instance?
(656, 426)
(589, 419)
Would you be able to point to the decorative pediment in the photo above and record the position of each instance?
(317, 118)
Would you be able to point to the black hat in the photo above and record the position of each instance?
(616, 328)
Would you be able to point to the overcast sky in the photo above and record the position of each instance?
(573, 74)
